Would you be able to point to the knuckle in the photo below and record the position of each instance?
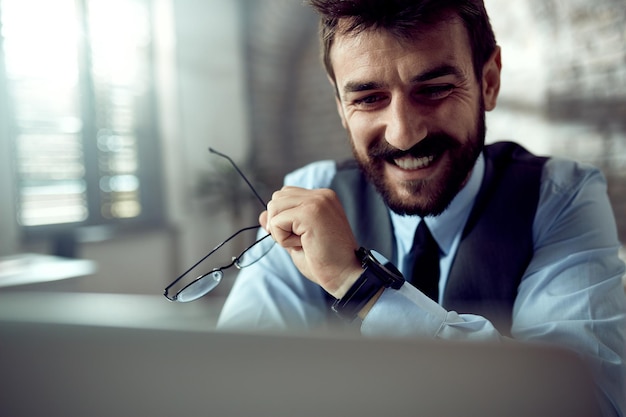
(331, 197)
(324, 196)
(275, 195)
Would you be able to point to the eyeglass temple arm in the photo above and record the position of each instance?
(240, 174)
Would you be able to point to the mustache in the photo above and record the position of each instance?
(433, 144)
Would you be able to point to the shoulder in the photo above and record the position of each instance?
(574, 201)
(562, 175)
(556, 173)
(318, 174)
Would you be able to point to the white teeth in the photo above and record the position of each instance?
(409, 162)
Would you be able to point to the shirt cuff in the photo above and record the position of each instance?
(405, 312)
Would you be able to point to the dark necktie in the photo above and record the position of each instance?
(426, 267)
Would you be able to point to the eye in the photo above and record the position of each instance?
(368, 101)
(435, 92)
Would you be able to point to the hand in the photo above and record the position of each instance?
(312, 226)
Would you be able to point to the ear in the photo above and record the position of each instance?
(491, 79)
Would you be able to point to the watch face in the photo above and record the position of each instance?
(380, 258)
(386, 265)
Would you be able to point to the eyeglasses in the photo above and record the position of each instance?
(206, 282)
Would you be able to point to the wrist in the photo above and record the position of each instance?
(365, 290)
(352, 276)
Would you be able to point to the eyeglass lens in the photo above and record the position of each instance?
(255, 252)
(200, 287)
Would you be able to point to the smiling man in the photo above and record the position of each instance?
(520, 246)
(414, 111)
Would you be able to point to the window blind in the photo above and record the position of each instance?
(79, 81)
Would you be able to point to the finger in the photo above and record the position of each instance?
(281, 228)
(263, 221)
(285, 199)
(279, 217)
(292, 242)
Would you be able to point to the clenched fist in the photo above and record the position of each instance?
(312, 226)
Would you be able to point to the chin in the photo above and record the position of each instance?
(415, 198)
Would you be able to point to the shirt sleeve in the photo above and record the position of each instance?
(571, 294)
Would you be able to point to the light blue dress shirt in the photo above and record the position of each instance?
(570, 295)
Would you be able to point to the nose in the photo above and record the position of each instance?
(405, 125)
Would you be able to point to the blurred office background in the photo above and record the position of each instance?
(107, 108)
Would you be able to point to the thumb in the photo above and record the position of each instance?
(263, 220)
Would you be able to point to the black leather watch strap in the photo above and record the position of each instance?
(374, 277)
(358, 295)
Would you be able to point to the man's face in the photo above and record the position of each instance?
(414, 111)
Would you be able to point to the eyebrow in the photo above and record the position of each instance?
(440, 71)
(431, 74)
(356, 86)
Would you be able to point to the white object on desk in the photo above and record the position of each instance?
(36, 268)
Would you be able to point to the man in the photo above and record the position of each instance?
(527, 246)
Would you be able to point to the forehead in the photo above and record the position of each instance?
(375, 52)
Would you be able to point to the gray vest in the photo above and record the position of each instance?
(497, 243)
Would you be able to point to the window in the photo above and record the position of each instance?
(79, 85)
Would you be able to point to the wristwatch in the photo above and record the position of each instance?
(374, 277)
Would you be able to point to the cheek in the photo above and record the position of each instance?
(457, 119)
(362, 133)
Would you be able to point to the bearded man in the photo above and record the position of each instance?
(525, 247)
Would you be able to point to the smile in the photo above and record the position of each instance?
(412, 163)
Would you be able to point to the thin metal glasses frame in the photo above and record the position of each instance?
(206, 282)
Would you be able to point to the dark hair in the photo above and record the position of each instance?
(403, 19)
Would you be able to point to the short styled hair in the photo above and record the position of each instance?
(404, 19)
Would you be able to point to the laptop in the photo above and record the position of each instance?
(60, 369)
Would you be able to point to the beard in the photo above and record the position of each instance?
(432, 196)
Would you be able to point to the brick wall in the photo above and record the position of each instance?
(588, 57)
(292, 109)
(587, 70)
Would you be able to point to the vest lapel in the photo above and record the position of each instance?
(497, 242)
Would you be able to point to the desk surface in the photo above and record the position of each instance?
(26, 269)
(136, 311)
